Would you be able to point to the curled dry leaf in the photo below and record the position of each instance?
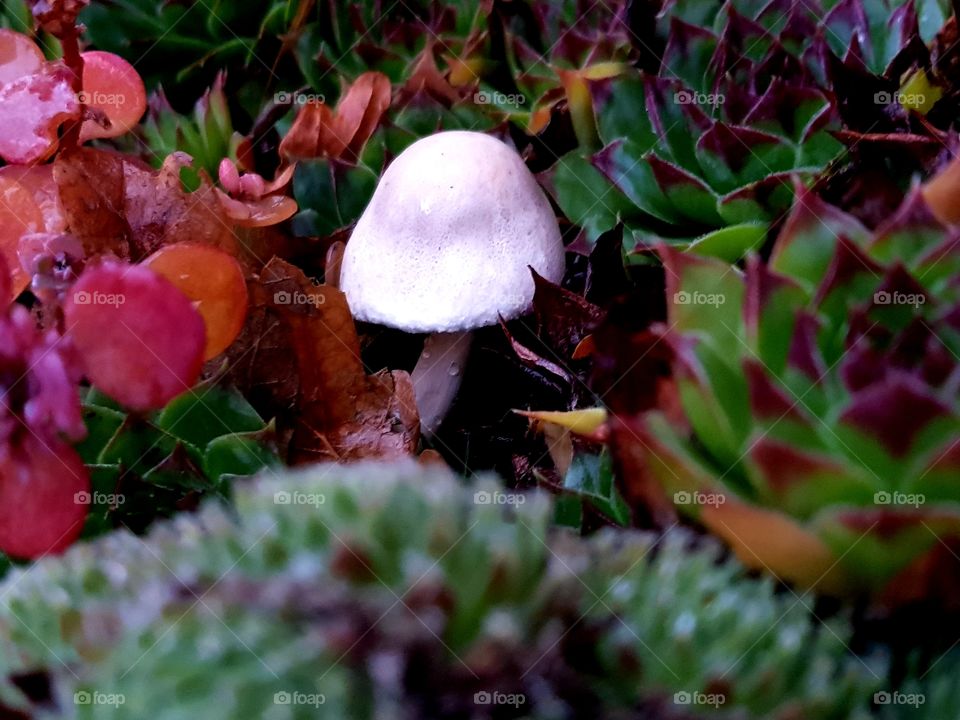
(92, 195)
(342, 414)
(160, 212)
(319, 131)
(565, 318)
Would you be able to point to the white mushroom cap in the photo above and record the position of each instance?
(447, 238)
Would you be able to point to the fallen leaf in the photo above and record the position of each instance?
(565, 318)
(160, 212)
(341, 413)
(319, 131)
(92, 196)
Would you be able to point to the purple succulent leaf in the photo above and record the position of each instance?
(733, 155)
(763, 199)
(899, 289)
(792, 110)
(802, 481)
(688, 53)
(704, 296)
(894, 412)
(804, 354)
(770, 306)
(941, 264)
(808, 240)
(848, 264)
(676, 124)
(909, 233)
(862, 366)
(623, 164)
(738, 99)
(847, 27)
(688, 194)
(867, 102)
(854, 56)
(742, 42)
(769, 401)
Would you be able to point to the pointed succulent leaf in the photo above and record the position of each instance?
(732, 156)
(809, 237)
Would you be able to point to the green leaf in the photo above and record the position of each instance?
(586, 197)
(102, 425)
(204, 413)
(236, 455)
(591, 478)
(730, 243)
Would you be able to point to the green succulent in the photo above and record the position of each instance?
(393, 591)
(821, 399)
(206, 135)
(707, 149)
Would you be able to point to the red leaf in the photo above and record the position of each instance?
(140, 339)
(32, 109)
(44, 494)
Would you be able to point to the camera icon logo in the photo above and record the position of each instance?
(281, 497)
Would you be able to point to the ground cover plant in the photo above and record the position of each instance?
(527, 358)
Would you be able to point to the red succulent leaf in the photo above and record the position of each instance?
(894, 412)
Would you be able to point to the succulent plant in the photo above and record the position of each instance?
(821, 401)
(395, 592)
(705, 150)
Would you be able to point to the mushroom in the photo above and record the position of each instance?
(445, 247)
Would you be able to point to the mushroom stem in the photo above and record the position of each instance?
(436, 377)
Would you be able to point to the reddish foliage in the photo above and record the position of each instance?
(140, 339)
(319, 131)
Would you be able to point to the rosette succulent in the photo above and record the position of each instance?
(821, 400)
(706, 147)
